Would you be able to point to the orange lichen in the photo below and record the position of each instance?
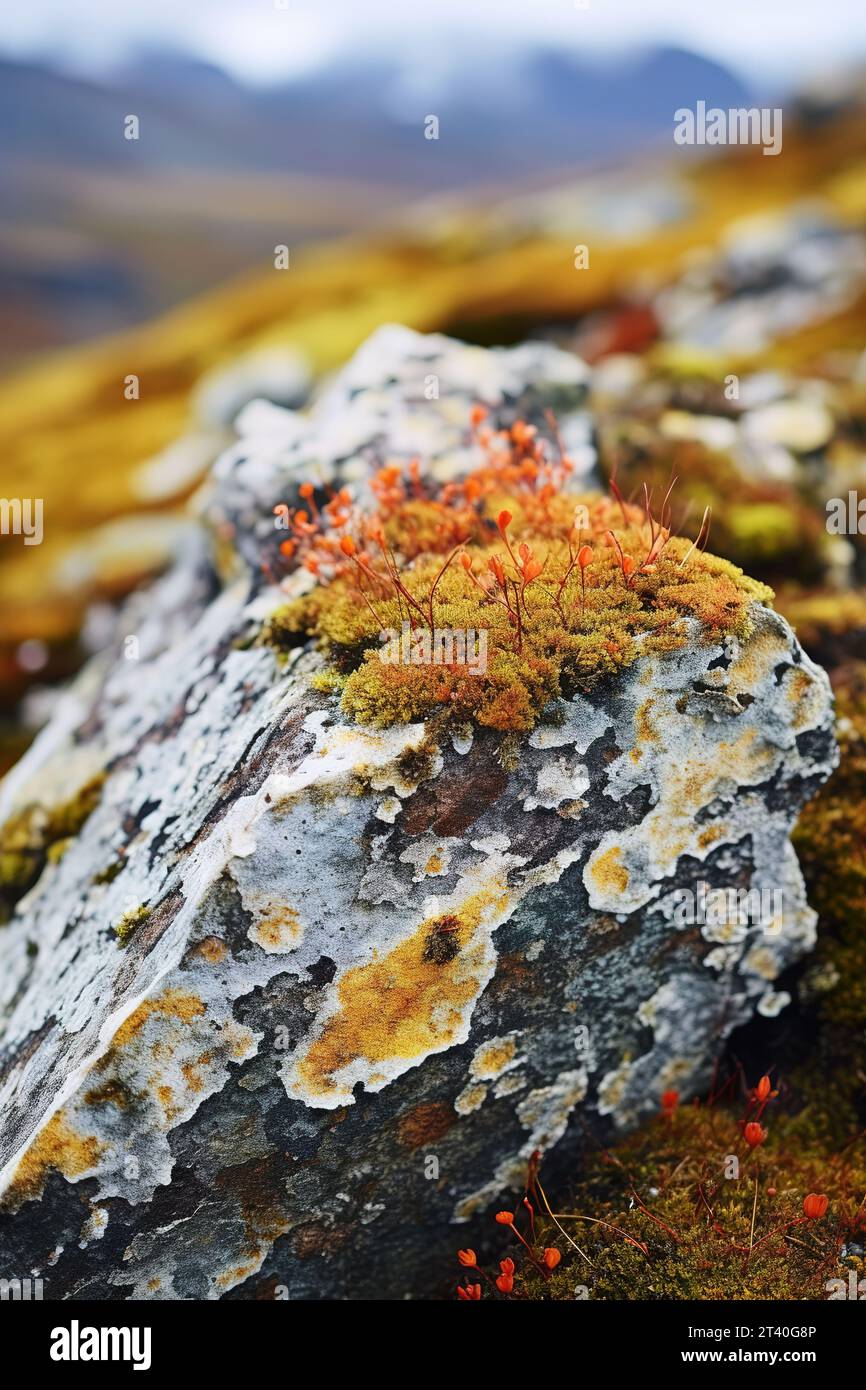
(174, 1003)
(59, 1147)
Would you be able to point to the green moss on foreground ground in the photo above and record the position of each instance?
(661, 1217)
(830, 840)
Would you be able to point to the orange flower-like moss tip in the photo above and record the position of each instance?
(471, 1293)
(763, 1088)
(551, 1257)
(467, 1258)
(505, 1218)
(815, 1205)
(347, 545)
(754, 1134)
(503, 521)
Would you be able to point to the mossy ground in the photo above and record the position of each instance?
(830, 840)
(766, 527)
(675, 1227)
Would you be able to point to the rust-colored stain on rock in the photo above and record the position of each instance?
(424, 1124)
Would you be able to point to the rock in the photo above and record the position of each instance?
(278, 374)
(803, 426)
(404, 395)
(297, 1001)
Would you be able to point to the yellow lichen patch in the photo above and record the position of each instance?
(645, 729)
(613, 1087)
(212, 949)
(509, 1085)
(608, 871)
(60, 1147)
(755, 660)
(174, 1003)
(404, 1005)
(761, 961)
(492, 1058)
(165, 1095)
(747, 758)
(231, 1277)
(471, 1098)
(805, 694)
(192, 1074)
(279, 929)
(711, 835)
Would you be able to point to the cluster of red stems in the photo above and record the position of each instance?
(545, 1259)
(754, 1135)
(337, 538)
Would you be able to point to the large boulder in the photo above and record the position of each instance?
(288, 1003)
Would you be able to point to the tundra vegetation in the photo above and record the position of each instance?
(570, 589)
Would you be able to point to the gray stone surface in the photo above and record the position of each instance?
(370, 972)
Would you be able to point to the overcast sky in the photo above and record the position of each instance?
(261, 40)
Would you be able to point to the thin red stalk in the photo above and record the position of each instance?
(457, 547)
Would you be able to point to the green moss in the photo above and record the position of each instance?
(665, 1188)
(110, 872)
(37, 834)
(829, 839)
(763, 530)
(765, 527)
(565, 644)
(129, 923)
(831, 624)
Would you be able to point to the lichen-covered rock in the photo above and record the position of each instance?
(298, 995)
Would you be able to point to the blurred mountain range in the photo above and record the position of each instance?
(98, 232)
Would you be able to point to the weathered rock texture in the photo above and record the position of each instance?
(299, 996)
